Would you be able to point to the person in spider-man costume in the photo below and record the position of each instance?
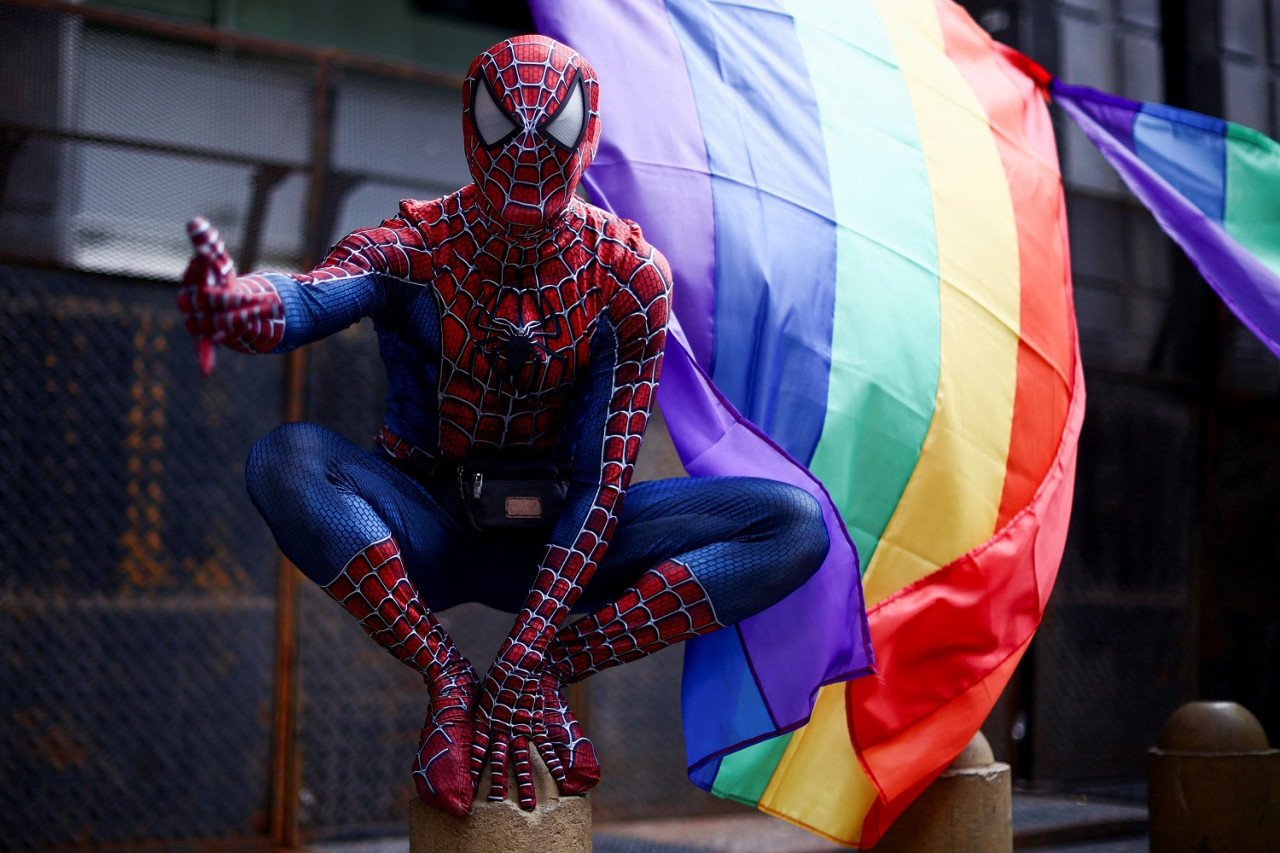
(513, 318)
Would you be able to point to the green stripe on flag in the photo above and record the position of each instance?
(885, 353)
(744, 775)
(1252, 215)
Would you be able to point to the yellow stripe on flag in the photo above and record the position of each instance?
(825, 788)
(952, 500)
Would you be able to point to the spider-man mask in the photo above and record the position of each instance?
(530, 125)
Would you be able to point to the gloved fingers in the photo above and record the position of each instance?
(498, 768)
(551, 758)
(205, 357)
(201, 325)
(241, 313)
(523, 768)
(193, 279)
(232, 302)
(208, 244)
(220, 327)
(479, 750)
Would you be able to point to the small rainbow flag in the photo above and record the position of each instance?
(1214, 187)
(863, 211)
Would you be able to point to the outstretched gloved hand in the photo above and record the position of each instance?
(244, 313)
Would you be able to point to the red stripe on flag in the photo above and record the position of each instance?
(940, 640)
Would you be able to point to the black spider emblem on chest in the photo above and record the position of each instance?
(522, 353)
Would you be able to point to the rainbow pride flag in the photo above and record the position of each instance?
(862, 207)
(1214, 187)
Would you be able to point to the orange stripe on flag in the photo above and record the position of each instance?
(1025, 141)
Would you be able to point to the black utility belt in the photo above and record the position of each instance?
(500, 493)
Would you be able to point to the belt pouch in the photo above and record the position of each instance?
(511, 494)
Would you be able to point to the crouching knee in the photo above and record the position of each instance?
(801, 533)
(779, 550)
(285, 463)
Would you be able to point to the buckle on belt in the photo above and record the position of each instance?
(470, 481)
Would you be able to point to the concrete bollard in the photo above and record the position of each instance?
(558, 825)
(968, 808)
(1213, 783)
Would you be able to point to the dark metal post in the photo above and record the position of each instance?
(286, 766)
(1193, 332)
(266, 177)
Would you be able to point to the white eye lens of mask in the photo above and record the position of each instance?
(492, 123)
(565, 127)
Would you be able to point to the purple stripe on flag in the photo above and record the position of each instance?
(1114, 112)
(1248, 287)
(836, 643)
(652, 163)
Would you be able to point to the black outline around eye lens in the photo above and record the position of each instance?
(582, 128)
(497, 102)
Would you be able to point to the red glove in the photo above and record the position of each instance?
(244, 313)
(564, 746)
(508, 720)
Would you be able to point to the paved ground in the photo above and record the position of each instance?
(1041, 824)
(1065, 824)
(738, 833)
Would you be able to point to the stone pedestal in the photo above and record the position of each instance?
(557, 825)
(1213, 782)
(968, 808)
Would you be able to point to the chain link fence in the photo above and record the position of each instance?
(137, 610)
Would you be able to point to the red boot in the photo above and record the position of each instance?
(373, 588)
(667, 605)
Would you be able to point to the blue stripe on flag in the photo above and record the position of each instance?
(724, 681)
(1187, 150)
(704, 776)
(775, 228)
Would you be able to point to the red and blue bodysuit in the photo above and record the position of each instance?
(513, 318)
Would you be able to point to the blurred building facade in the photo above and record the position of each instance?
(1168, 590)
(164, 681)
